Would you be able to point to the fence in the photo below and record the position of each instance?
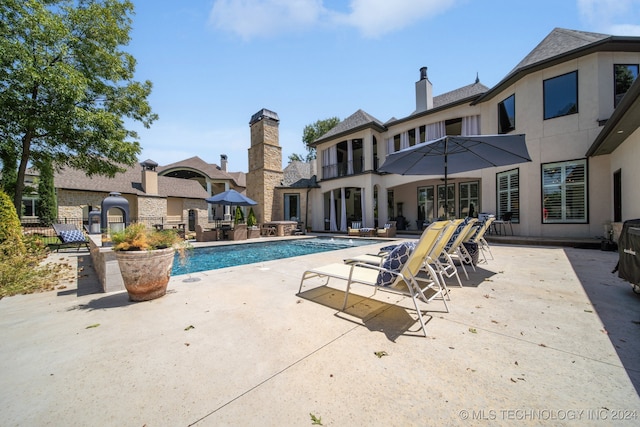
(34, 226)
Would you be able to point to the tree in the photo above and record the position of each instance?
(66, 87)
(313, 132)
(47, 206)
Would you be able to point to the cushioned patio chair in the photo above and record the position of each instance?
(70, 234)
(239, 232)
(402, 273)
(203, 235)
(354, 229)
(389, 230)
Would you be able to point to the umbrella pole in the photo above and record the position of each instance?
(446, 187)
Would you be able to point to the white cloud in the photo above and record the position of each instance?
(617, 17)
(255, 18)
(373, 18)
(377, 17)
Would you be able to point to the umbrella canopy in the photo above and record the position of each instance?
(230, 198)
(453, 154)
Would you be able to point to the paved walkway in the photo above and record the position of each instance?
(538, 336)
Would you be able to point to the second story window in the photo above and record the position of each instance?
(625, 75)
(561, 95)
(507, 115)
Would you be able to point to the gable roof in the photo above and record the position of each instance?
(560, 46)
(357, 121)
(199, 166)
(128, 182)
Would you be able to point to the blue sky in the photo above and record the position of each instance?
(214, 63)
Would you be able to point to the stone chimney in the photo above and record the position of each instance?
(223, 162)
(424, 92)
(149, 177)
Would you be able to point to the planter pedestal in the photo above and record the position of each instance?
(146, 273)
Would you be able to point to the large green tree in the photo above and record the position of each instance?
(311, 133)
(67, 87)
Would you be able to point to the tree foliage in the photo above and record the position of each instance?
(47, 206)
(311, 133)
(67, 87)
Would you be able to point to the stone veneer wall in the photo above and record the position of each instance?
(70, 202)
(265, 168)
(154, 207)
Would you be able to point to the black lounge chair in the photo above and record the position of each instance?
(69, 234)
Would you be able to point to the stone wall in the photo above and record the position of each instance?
(70, 203)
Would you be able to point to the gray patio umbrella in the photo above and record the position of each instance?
(453, 154)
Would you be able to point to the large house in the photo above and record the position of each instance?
(575, 97)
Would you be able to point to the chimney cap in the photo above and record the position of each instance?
(149, 165)
(262, 114)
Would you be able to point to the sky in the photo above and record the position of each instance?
(215, 63)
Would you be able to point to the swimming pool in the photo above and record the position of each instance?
(214, 257)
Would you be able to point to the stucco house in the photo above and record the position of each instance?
(574, 96)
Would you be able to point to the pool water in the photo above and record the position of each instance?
(214, 257)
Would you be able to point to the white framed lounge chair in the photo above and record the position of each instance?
(444, 260)
(402, 273)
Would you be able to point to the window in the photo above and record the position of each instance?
(425, 204)
(450, 201)
(507, 115)
(292, 207)
(561, 95)
(29, 207)
(625, 75)
(469, 201)
(564, 192)
(508, 197)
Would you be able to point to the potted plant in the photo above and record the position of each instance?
(145, 256)
(252, 229)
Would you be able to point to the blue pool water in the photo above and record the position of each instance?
(214, 257)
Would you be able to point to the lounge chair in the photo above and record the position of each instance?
(389, 230)
(478, 238)
(354, 229)
(444, 260)
(401, 273)
(70, 234)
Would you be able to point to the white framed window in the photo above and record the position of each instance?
(508, 194)
(564, 192)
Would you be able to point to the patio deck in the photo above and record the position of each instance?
(539, 336)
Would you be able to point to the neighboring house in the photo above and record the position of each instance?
(567, 96)
(174, 193)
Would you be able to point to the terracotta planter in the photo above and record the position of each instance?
(146, 273)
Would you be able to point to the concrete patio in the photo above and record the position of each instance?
(538, 336)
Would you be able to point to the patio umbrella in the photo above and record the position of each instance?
(230, 198)
(453, 154)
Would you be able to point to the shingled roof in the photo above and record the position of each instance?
(211, 170)
(128, 182)
(299, 175)
(356, 121)
(559, 46)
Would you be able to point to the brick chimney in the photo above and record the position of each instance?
(424, 92)
(149, 177)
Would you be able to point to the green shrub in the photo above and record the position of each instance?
(251, 218)
(21, 267)
(10, 228)
(239, 218)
